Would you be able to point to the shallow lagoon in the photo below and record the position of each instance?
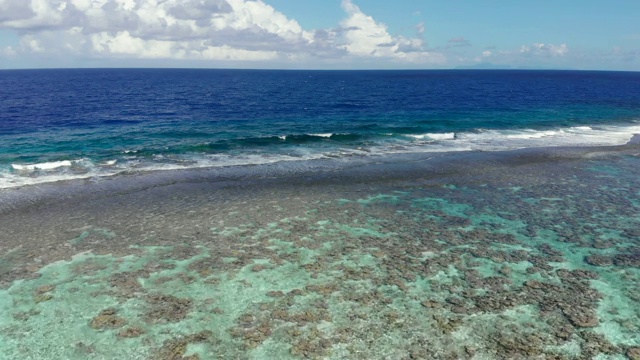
(525, 254)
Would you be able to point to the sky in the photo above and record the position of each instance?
(321, 34)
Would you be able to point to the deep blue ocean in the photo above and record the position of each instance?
(86, 123)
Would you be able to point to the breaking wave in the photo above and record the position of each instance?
(307, 147)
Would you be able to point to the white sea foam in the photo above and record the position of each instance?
(496, 140)
(532, 134)
(419, 137)
(42, 166)
(434, 136)
(16, 175)
(325, 135)
(13, 180)
(572, 136)
(88, 170)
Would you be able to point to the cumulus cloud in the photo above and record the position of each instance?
(541, 49)
(15, 10)
(531, 55)
(171, 29)
(365, 37)
(8, 51)
(237, 30)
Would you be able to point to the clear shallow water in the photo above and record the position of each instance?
(363, 230)
(65, 124)
(505, 255)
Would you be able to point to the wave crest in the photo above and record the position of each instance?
(435, 136)
(42, 166)
(305, 147)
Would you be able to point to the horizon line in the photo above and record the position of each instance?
(314, 69)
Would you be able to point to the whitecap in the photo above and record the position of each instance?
(42, 166)
(476, 140)
(532, 134)
(435, 136)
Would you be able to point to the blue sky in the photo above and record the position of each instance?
(349, 34)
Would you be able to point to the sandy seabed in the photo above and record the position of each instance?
(531, 254)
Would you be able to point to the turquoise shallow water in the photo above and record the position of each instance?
(531, 255)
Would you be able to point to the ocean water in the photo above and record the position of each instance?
(319, 215)
(64, 124)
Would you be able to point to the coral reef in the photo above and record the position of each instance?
(538, 266)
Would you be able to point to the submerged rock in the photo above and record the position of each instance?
(634, 353)
(42, 298)
(45, 289)
(598, 260)
(431, 304)
(107, 319)
(167, 308)
(131, 332)
(175, 349)
(127, 282)
(632, 259)
(581, 317)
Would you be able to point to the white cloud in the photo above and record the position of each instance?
(229, 53)
(8, 51)
(536, 55)
(32, 44)
(122, 43)
(171, 29)
(363, 36)
(237, 30)
(541, 49)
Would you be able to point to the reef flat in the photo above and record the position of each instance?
(522, 254)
